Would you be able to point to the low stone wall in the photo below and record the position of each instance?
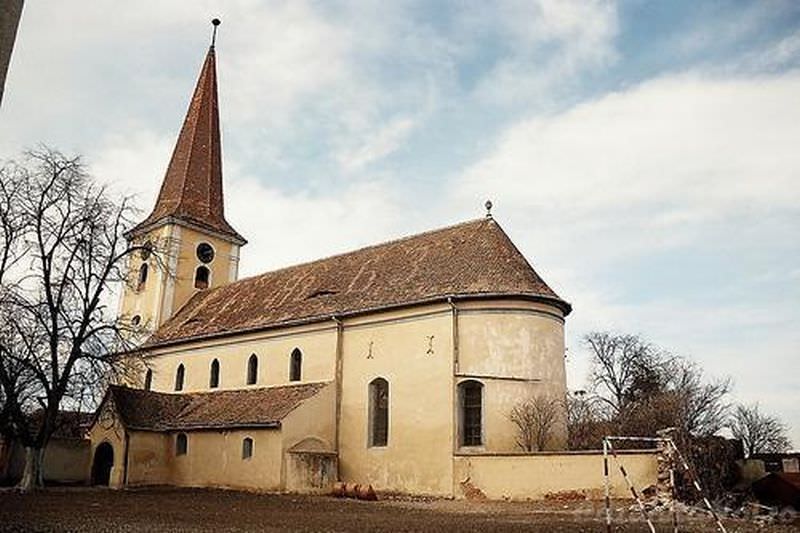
(568, 475)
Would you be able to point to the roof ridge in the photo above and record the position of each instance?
(349, 252)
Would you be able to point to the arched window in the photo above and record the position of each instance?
(378, 412)
(201, 276)
(181, 444)
(296, 365)
(252, 369)
(213, 380)
(148, 379)
(142, 281)
(136, 320)
(179, 377)
(470, 399)
(247, 448)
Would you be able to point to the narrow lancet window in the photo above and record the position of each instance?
(471, 415)
(213, 380)
(181, 444)
(148, 379)
(296, 365)
(179, 374)
(252, 369)
(378, 412)
(247, 448)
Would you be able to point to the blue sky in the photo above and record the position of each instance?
(643, 155)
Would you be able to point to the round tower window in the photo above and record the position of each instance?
(205, 252)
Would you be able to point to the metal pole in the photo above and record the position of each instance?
(674, 498)
(697, 486)
(607, 486)
(632, 489)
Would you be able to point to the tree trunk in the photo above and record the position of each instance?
(32, 477)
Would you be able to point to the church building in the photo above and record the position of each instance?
(394, 365)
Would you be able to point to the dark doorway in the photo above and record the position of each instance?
(101, 466)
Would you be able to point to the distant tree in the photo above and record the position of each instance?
(759, 432)
(62, 248)
(701, 407)
(586, 425)
(621, 365)
(643, 388)
(535, 419)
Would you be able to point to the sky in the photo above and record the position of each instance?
(644, 156)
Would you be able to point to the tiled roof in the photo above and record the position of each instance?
(158, 411)
(472, 259)
(68, 424)
(192, 187)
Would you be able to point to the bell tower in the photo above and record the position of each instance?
(194, 248)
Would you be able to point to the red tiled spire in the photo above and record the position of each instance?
(192, 187)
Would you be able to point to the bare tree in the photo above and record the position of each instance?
(535, 419)
(759, 432)
(620, 366)
(64, 237)
(701, 407)
(586, 425)
(645, 388)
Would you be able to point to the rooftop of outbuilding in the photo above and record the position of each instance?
(257, 407)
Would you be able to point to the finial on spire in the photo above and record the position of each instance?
(215, 22)
(488, 206)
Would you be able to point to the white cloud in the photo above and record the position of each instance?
(549, 41)
(285, 229)
(646, 167)
(134, 164)
(782, 53)
(377, 144)
(688, 165)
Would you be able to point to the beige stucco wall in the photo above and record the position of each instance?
(146, 303)
(224, 267)
(418, 457)
(107, 428)
(516, 350)
(214, 457)
(65, 461)
(520, 477)
(273, 349)
(170, 280)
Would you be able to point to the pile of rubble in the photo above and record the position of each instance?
(741, 505)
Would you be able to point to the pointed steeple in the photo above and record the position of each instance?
(192, 188)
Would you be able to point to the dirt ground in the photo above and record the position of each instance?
(164, 509)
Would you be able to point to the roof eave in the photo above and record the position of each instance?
(234, 237)
(563, 306)
(200, 427)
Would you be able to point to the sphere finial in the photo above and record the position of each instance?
(488, 206)
(215, 22)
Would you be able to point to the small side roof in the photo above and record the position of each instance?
(158, 411)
